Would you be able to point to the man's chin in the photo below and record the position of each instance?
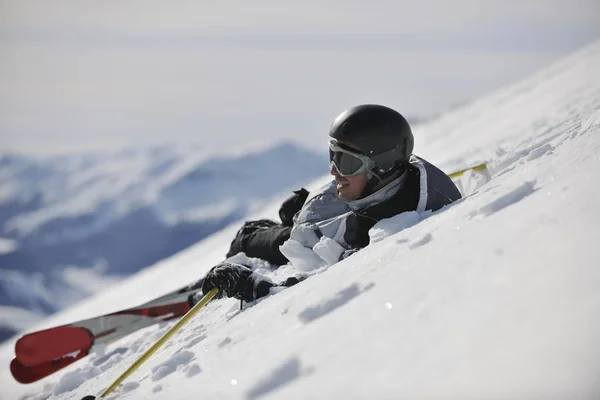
(343, 196)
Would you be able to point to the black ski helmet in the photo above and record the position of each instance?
(375, 130)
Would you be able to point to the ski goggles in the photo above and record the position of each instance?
(347, 162)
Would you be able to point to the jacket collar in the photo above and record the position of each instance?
(383, 194)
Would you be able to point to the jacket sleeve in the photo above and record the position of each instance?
(261, 239)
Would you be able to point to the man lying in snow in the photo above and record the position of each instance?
(376, 176)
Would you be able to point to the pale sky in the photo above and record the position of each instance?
(87, 76)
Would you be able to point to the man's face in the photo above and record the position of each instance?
(349, 187)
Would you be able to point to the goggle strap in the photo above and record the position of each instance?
(387, 160)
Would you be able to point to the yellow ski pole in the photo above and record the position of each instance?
(479, 167)
(193, 311)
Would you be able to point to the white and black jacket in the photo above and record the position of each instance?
(324, 216)
(422, 187)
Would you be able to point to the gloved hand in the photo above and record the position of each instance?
(236, 280)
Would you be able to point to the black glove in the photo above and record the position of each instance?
(291, 206)
(236, 280)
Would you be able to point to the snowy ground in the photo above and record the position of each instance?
(494, 297)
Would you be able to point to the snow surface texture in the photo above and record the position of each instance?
(67, 222)
(495, 296)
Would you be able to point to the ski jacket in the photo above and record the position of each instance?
(325, 228)
(422, 187)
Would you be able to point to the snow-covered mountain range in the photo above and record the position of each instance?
(495, 296)
(71, 225)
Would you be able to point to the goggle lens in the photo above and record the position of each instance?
(345, 163)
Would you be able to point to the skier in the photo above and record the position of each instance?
(376, 176)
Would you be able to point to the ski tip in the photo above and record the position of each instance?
(90, 397)
(38, 347)
(29, 374)
(15, 370)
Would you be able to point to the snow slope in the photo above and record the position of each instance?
(495, 296)
(114, 214)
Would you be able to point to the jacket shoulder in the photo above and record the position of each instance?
(436, 188)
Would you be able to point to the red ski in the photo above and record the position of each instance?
(24, 374)
(41, 353)
(52, 343)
